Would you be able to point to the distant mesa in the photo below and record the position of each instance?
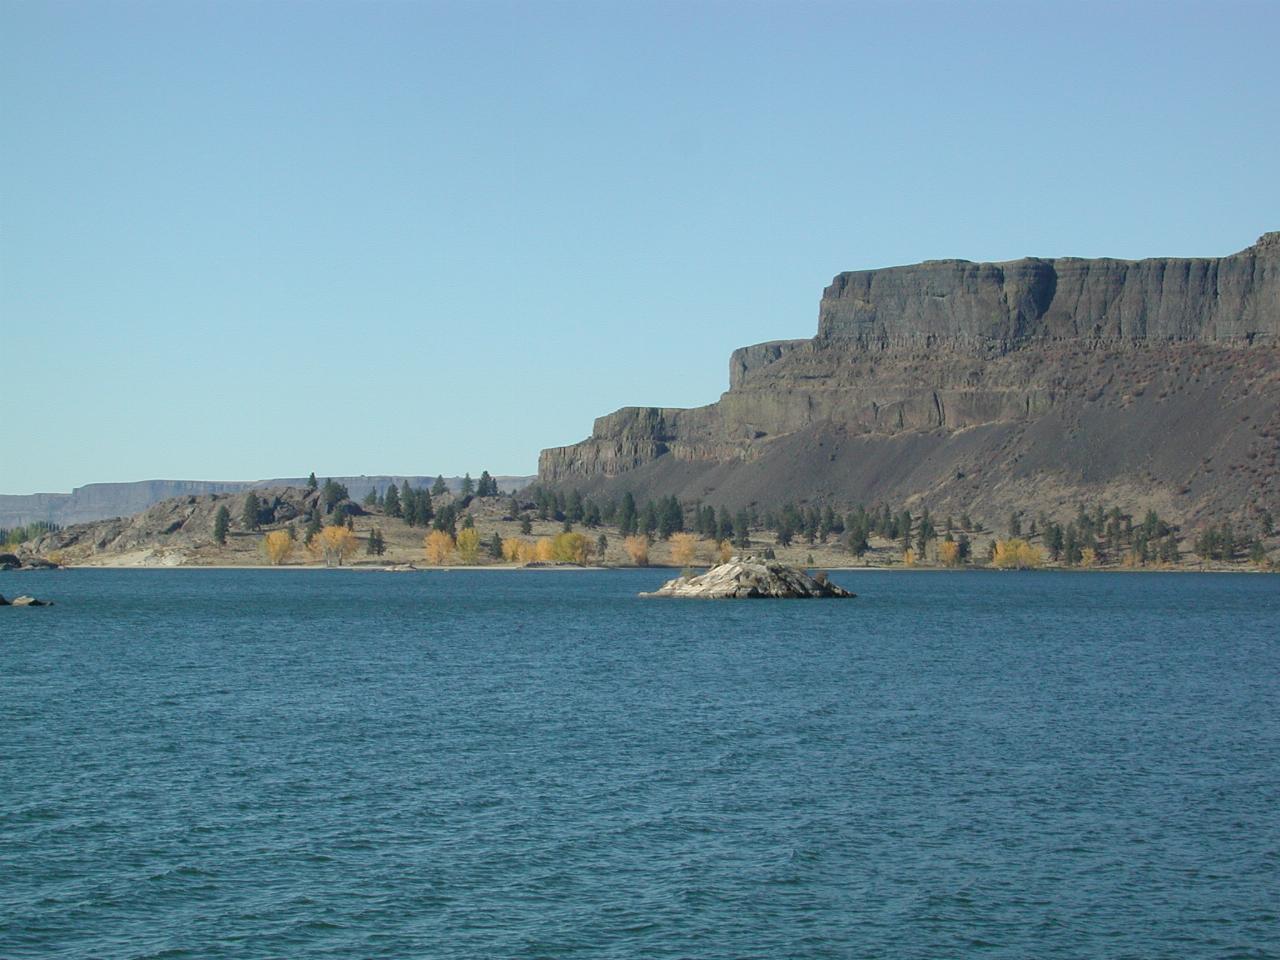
(102, 501)
(985, 387)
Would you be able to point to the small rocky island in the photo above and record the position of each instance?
(751, 578)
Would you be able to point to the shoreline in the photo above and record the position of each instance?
(574, 568)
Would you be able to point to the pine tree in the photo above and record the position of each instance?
(311, 481)
(602, 544)
(724, 525)
(423, 508)
(742, 529)
(526, 525)
(377, 545)
(468, 486)
(495, 546)
(486, 487)
(221, 520)
(249, 515)
(627, 518)
(438, 489)
(391, 502)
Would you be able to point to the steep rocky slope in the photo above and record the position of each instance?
(986, 387)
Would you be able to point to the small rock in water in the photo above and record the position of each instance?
(750, 578)
(25, 601)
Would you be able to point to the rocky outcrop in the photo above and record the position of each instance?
(984, 387)
(25, 601)
(172, 527)
(750, 578)
(100, 501)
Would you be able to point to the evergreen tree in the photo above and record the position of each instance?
(377, 545)
(670, 518)
(724, 525)
(1053, 540)
(1268, 523)
(221, 520)
(486, 486)
(249, 516)
(495, 546)
(1015, 524)
(627, 518)
(468, 486)
(391, 502)
(311, 481)
(591, 515)
(371, 498)
(424, 508)
(602, 544)
(468, 522)
(573, 509)
(855, 540)
(409, 504)
(742, 529)
(438, 489)
(313, 528)
(526, 525)
(649, 519)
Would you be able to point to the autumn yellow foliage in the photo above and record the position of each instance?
(724, 550)
(684, 549)
(468, 545)
(571, 548)
(334, 544)
(949, 553)
(544, 550)
(1088, 557)
(1016, 554)
(438, 547)
(277, 545)
(909, 557)
(511, 548)
(637, 547)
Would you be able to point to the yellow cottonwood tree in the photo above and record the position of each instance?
(511, 548)
(438, 547)
(725, 550)
(277, 545)
(1016, 554)
(571, 548)
(684, 549)
(637, 547)
(528, 551)
(468, 545)
(1088, 557)
(545, 550)
(949, 553)
(334, 544)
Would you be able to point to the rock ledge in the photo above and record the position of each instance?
(751, 578)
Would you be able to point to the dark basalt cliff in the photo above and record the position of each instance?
(984, 385)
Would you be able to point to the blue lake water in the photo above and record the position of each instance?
(253, 764)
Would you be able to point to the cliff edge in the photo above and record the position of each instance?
(1034, 382)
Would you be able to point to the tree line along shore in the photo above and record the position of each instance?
(478, 526)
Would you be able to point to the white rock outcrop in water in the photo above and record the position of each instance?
(750, 578)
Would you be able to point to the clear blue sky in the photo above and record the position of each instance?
(242, 240)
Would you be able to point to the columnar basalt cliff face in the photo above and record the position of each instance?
(963, 383)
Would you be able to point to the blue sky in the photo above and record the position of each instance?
(242, 240)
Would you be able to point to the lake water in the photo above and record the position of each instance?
(253, 764)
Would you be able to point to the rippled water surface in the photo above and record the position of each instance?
(223, 764)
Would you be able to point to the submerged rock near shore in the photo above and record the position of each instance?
(751, 578)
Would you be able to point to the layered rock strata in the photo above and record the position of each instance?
(986, 385)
